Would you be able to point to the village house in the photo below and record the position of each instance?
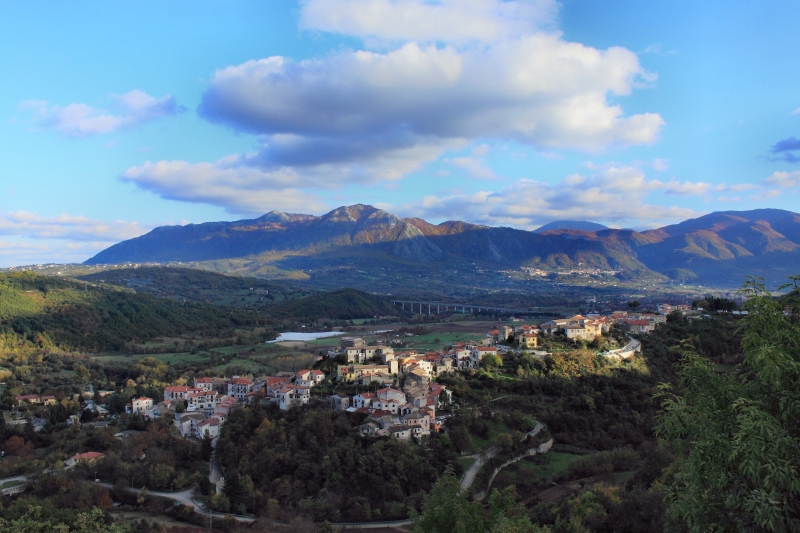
(309, 378)
(209, 426)
(478, 353)
(186, 423)
(140, 405)
(201, 401)
(273, 385)
(179, 392)
(400, 431)
(238, 387)
(340, 402)
(528, 340)
(32, 399)
(364, 399)
(419, 423)
(352, 342)
(292, 396)
(641, 327)
(367, 353)
(87, 457)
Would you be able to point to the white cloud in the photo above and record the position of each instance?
(784, 179)
(657, 49)
(735, 188)
(661, 165)
(252, 185)
(82, 120)
(765, 195)
(538, 90)
(76, 228)
(451, 21)
(464, 71)
(475, 166)
(615, 194)
(18, 252)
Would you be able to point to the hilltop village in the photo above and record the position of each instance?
(399, 396)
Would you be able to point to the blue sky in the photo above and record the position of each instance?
(116, 118)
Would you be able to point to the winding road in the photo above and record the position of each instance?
(480, 459)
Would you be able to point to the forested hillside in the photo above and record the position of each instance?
(343, 304)
(196, 285)
(40, 312)
(312, 462)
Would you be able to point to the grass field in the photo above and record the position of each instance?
(531, 470)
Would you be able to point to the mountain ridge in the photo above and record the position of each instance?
(716, 246)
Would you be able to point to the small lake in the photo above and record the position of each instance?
(301, 336)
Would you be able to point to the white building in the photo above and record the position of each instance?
(239, 387)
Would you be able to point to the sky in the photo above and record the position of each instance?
(116, 118)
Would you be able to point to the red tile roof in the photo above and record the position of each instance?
(88, 456)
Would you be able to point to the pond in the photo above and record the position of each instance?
(301, 336)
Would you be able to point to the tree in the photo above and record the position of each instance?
(633, 304)
(33, 522)
(491, 361)
(206, 447)
(448, 510)
(236, 492)
(737, 434)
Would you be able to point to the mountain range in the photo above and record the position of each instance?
(716, 249)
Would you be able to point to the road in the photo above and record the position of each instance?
(480, 459)
(186, 498)
(215, 473)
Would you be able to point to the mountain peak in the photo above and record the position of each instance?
(281, 217)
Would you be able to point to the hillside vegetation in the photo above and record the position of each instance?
(40, 312)
(198, 286)
(343, 304)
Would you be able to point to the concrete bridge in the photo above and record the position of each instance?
(438, 307)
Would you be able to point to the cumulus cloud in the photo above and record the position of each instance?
(456, 71)
(253, 184)
(75, 228)
(82, 120)
(615, 194)
(538, 90)
(786, 150)
(450, 21)
(784, 179)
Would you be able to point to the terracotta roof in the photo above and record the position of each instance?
(88, 456)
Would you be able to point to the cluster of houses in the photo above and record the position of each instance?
(207, 404)
(406, 413)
